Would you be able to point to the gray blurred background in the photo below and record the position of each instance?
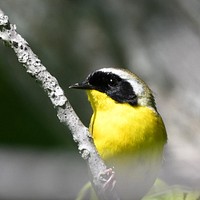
(158, 40)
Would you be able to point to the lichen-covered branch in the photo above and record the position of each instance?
(65, 112)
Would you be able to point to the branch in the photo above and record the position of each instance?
(65, 112)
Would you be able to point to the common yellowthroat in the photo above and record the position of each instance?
(127, 129)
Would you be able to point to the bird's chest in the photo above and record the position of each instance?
(126, 141)
(122, 131)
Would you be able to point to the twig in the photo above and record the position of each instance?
(65, 112)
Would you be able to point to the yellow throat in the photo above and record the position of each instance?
(122, 129)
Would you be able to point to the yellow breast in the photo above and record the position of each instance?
(122, 129)
(130, 139)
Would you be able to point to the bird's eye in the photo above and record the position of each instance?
(104, 81)
(112, 82)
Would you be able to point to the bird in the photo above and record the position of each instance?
(128, 132)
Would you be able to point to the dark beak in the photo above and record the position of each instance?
(84, 85)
